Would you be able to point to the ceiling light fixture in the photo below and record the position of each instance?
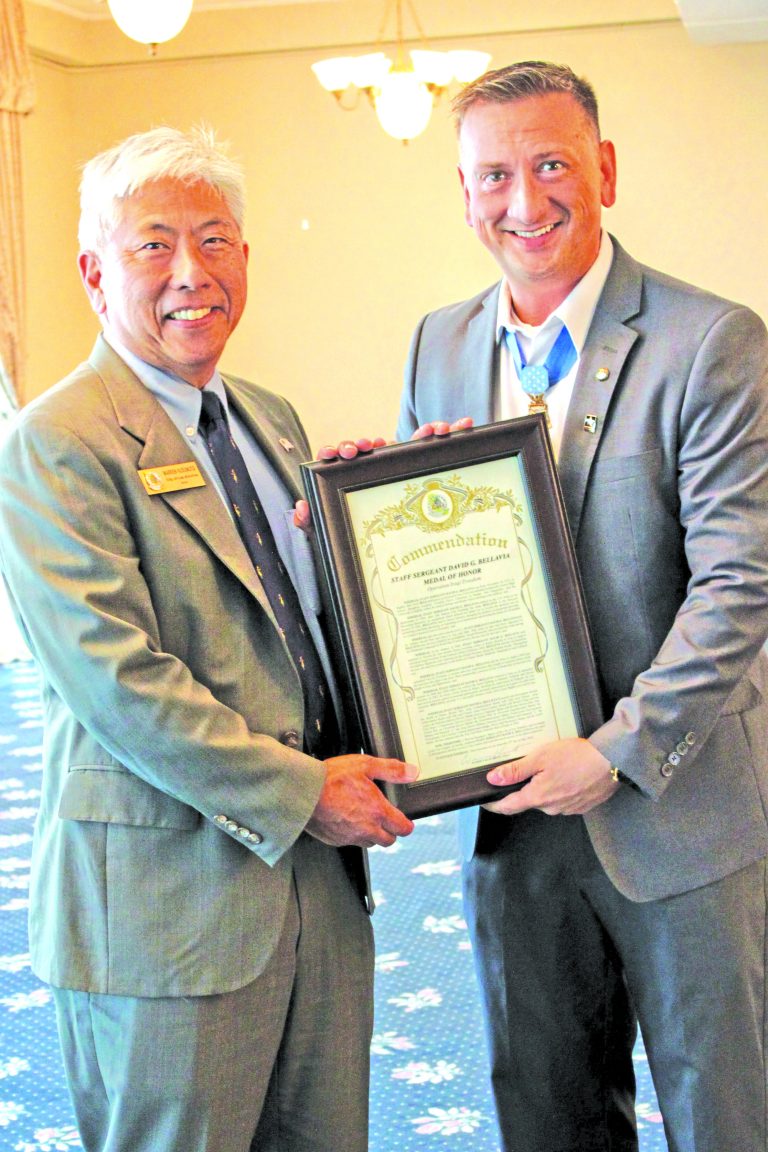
(403, 93)
(151, 22)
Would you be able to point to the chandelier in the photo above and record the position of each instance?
(150, 22)
(403, 92)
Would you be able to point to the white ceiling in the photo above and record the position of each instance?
(721, 21)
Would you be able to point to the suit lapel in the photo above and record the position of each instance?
(480, 361)
(144, 418)
(608, 344)
(283, 453)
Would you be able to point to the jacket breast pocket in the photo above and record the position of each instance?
(610, 469)
(116, 796)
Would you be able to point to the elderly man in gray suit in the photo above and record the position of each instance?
(627, 877)
(198, 874)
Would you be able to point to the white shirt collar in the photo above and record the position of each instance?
(576, 311)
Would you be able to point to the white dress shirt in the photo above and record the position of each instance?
(576, 313)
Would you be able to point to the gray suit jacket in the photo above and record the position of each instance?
(173, 788)
(668, 507)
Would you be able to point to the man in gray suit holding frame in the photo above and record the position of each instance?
(627, 877)
(198, 873)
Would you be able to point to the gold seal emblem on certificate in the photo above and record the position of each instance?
(437, 504)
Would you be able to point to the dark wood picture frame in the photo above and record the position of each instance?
(329, 487)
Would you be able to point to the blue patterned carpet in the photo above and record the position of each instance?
(429, 1089)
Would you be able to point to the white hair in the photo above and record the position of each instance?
(118, 173)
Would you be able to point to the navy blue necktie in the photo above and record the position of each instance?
(536, 379)
(320, 733)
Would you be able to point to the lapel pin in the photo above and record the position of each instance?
(286, 444)
(602, 374)
(590, 424)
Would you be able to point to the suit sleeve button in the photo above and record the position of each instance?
(231, 826)
(291, 738)
(254, 838)
(667, 769)
(219, 819)
(682, 748)
(690, 739)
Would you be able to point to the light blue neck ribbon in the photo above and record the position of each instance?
(537, 378)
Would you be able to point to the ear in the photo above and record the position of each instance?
(465, 189)
(89, 264)
(608, 173)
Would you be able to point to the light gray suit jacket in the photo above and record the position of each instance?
(668, 507)
(173, 789)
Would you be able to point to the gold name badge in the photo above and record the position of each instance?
(171, 478)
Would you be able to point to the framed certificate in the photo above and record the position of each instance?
(456, 594)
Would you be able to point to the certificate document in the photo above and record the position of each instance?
(457, 605)
(457, 592)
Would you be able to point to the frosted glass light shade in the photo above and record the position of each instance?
(150, 21)
(369, 71)
(339, 72)
(334, 74)
(403, 105)
(432, 67)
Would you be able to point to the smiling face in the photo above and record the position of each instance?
(170, 283)
(535, 178)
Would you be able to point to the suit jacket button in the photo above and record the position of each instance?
(667, 769)
(291, 738)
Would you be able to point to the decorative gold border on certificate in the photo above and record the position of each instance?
(436, 505)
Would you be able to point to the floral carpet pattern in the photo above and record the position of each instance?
(429, 1086)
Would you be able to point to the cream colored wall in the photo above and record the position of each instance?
(333, 301)
(58, 324)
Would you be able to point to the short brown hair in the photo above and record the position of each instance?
(522, 80)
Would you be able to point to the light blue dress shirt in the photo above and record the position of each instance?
(182, 402)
